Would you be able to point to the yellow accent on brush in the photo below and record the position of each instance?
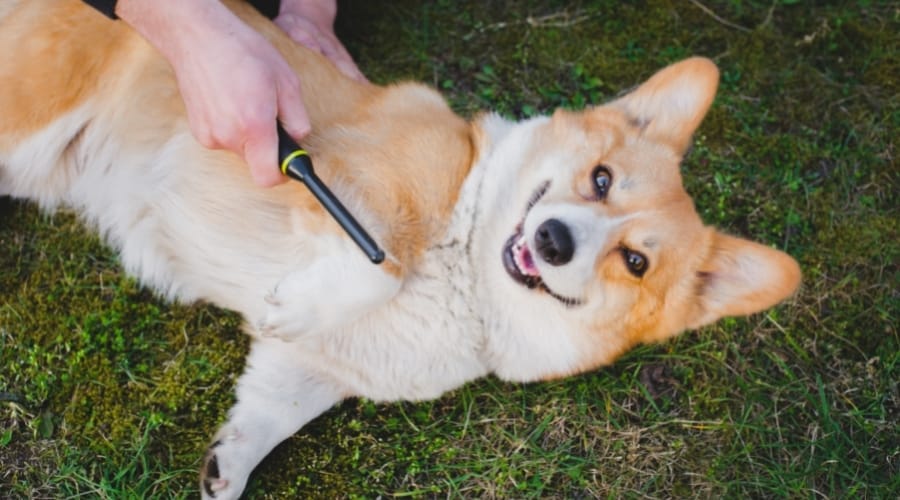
(290, 157)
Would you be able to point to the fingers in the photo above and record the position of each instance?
(249, 128)
(291, 110)
(335, 51)
(300, 30)
(234, 83)
(237, 111)
(320, 39)
(261, 153)
(261, 148)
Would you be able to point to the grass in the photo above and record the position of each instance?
(106, 391)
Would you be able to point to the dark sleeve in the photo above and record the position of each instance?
(268, 8)
(106, 7)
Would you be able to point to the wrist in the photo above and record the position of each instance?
(173, 26)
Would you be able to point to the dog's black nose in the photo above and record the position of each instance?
(554, 242)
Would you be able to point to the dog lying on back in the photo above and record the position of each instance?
(531, 250)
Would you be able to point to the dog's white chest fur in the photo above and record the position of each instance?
(430, 338)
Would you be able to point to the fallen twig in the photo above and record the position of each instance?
(715, 16)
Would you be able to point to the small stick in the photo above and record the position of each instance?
(717, 18)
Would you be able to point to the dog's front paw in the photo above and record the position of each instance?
(291, 310)
(222, 477)
(327, 295)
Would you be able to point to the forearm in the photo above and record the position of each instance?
(173, 26)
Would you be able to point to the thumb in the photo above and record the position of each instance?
(261, 154)
(291, 110)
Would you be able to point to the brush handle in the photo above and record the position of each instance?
(295, 163)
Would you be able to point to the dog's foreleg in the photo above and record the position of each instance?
(335, 289)
(275, 398)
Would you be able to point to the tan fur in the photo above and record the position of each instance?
(388, 165)
(45, 76)
(684, 285)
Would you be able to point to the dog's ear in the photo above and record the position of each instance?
(489, 129)
(741, 277)
(670, 105)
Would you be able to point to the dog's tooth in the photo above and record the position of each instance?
(521, 242)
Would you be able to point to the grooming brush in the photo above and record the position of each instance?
(295, 163)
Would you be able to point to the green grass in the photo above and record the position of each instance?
(106, 391)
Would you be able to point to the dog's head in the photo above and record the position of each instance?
(599, 247)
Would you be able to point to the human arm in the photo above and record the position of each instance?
(311, 23)
(233, 81)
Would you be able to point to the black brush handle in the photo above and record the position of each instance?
(295, 163)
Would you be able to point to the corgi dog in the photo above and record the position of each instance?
(531, 250)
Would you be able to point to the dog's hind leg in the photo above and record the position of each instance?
(335, 289)
(275, 398)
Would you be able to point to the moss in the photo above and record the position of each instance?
(93, 360)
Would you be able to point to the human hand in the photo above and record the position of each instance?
(234, 83)
(311, 23)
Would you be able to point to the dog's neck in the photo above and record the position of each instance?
(458, 257)
(518, 339)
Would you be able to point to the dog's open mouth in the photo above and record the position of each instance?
(519, 261)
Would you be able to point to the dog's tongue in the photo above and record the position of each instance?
(524, 260)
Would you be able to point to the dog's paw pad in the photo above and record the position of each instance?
(272, 299)
(266, 329)
(225, 468)
(210, 478)
(273, 326)
(213, 486)
(284, 319)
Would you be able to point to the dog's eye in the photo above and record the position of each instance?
(602, 179)
(635, 262)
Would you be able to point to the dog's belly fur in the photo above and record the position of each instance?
(188, 222)
(428, 337)
(427, 341)
(171, 236)
(182, 242)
